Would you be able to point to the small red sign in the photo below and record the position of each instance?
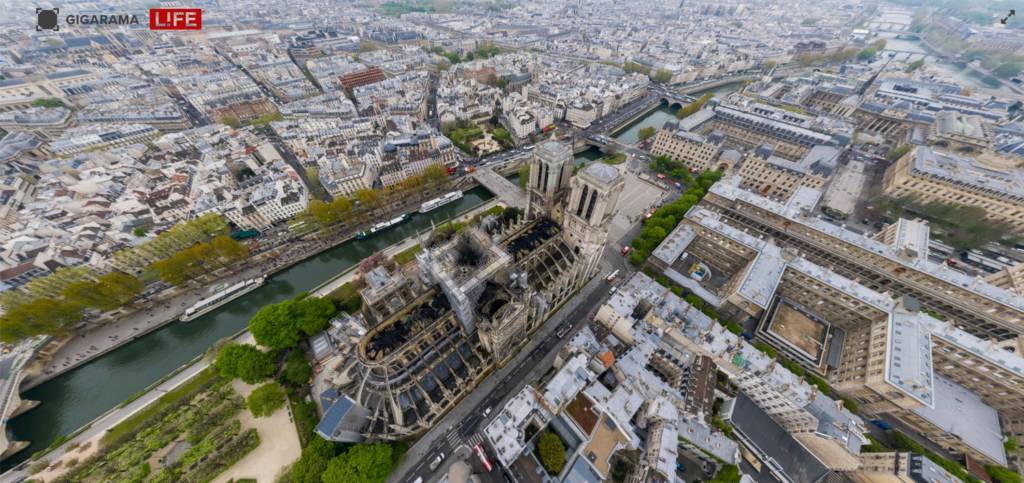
(175, 19)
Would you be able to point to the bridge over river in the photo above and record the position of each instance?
(506, 190)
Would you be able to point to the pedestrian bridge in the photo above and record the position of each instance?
(505, 190)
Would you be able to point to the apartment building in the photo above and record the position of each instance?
(18, 94)
(1010, 279)
(899, 269)
(897, 467)
(581, 113)
(101, 136)
(267, 203)
(697, 152)
(959, 132)
(361, 78)
(837, 328)
(46, 123)
(801, 308)
(889, 367)
(776, 177)
(412, 154)
(342, 177)
(750, 127)
(988, 181)
(599, 418)
(161, 113)
(831, 434)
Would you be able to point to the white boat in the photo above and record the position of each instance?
(388, 224)
(222, 297)
(440, 201)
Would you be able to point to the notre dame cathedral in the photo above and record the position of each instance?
(473, 297)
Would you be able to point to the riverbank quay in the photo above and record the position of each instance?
(166, 307)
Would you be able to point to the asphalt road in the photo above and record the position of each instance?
(456, 434)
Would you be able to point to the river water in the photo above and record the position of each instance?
(76, 397)
(959, 73)
(630, 134)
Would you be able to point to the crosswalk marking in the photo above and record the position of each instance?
(452, 438)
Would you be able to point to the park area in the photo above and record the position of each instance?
(480, 140)
(191, 434)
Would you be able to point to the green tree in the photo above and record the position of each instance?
(368, 463)
(1000, 474)
(108, 292)
(228, 250)
(436, 175)
(266, 119)
(663, 76)
(917, 64)
(897, 152)
(199, 259)
(647, 133)
(37, 317)
(231, 121)
(552, 452)
(524, 175)
(633, 67)
(266, 399)
(867, 53)
(313, 462)
(503, 136)
(245, 362)
(121, 287)
(296, 370)
(1008, 69)
(274, 326)
(281, 325)
(48, 103)
(727, 474)
(693, 107)
(368, 198)
(313, 314)
(140, 231)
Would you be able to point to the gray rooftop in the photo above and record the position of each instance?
(966, 171)
(672, 247)
(554, 151)
(908, 362)
(602, 172)
(961, 412)
(728, 189)
(780, 451)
